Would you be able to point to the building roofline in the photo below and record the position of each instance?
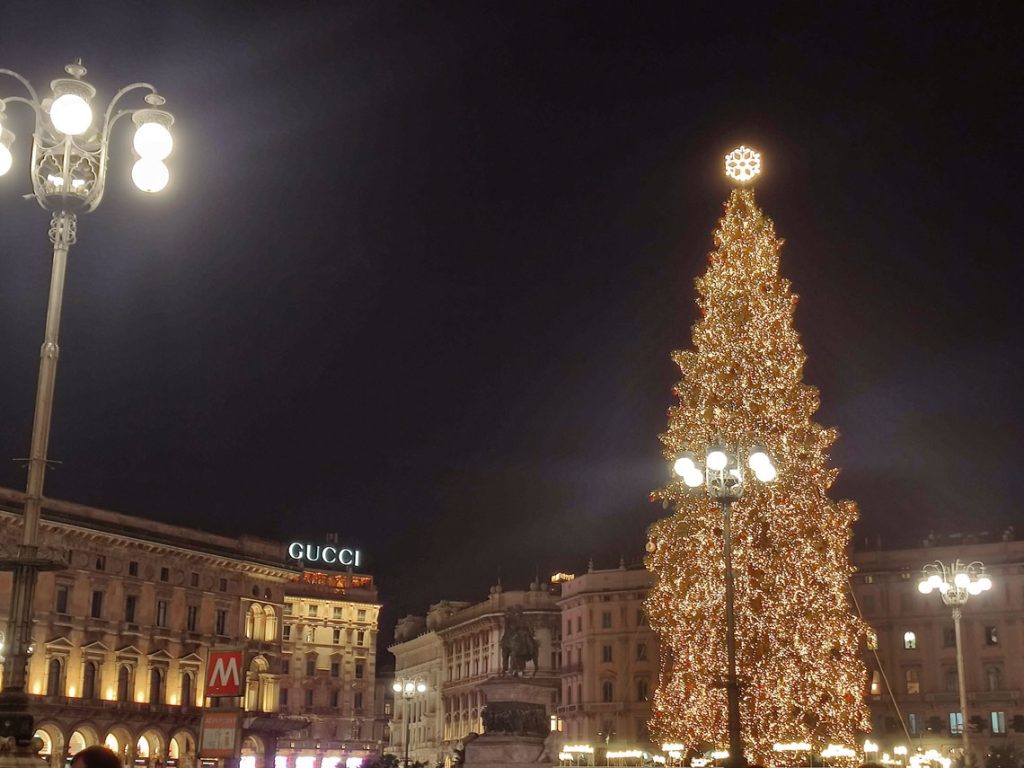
(151, 532)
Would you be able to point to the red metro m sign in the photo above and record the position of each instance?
(224, 673)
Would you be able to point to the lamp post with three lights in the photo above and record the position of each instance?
(68, 171)
(723, 478)
(408, 689)
(956, 582)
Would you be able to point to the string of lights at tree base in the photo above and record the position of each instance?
(798, 641)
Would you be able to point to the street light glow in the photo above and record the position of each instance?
(153, 141)
(683, 465)
(717, 459)
(150, 175)
(6, 159)
(71, 114)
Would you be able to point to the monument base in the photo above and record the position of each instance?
(517, 725)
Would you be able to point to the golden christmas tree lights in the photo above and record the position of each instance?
(797, 640)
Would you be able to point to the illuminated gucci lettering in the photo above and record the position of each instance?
(329, 555)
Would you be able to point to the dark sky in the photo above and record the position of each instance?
(421, 266)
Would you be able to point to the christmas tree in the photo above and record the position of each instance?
(797, 640)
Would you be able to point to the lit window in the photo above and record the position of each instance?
(998, 722)
(913, 724)
(956, 723)
(910, 641)
(913, 677)
(876, 683)
(991, 636)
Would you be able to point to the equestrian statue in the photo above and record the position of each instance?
(518, 645)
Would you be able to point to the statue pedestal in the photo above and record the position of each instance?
(517, 725)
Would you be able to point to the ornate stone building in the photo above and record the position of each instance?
(468, 641)
(609, 658)
(913, 688)
(419, 655)
(121, 640)
(329, 642)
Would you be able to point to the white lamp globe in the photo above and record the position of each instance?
(5, 159)
(758, 458)
(935, 581)
(683, 465)
(974, 588)
(150, 175)
(71, 114)
(693, 478)
(421, 687)
(717, 459)
(396, 687)
(924, 587)
(962, 580)
(985, 583)
(766, 473)
(153, 141)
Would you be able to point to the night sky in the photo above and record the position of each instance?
(421, 266)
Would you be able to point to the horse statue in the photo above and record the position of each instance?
(518, 645)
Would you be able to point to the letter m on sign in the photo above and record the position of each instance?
(224, 673)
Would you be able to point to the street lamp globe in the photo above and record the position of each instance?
(684, 464)
(717, 459)
(396, 687)
(5, 152)
(71, 114)
(150, 175)
(694, 478)
(153, 141)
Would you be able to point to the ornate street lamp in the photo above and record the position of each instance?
(723, 478)
(408, 689)
(956, 582)
(68, 169)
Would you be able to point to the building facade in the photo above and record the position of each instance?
(913, 687)
(464, 641)
(329, 641)
(609, 658)
(418, 722)
(121, 637)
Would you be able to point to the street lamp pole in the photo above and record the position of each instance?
(723, 478)
(68, 170)
(732, 684)
(408, 689)
(956, 582)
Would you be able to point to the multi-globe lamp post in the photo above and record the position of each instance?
(723, 478)
(68, 171)
(408, 689)
(955, 582)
